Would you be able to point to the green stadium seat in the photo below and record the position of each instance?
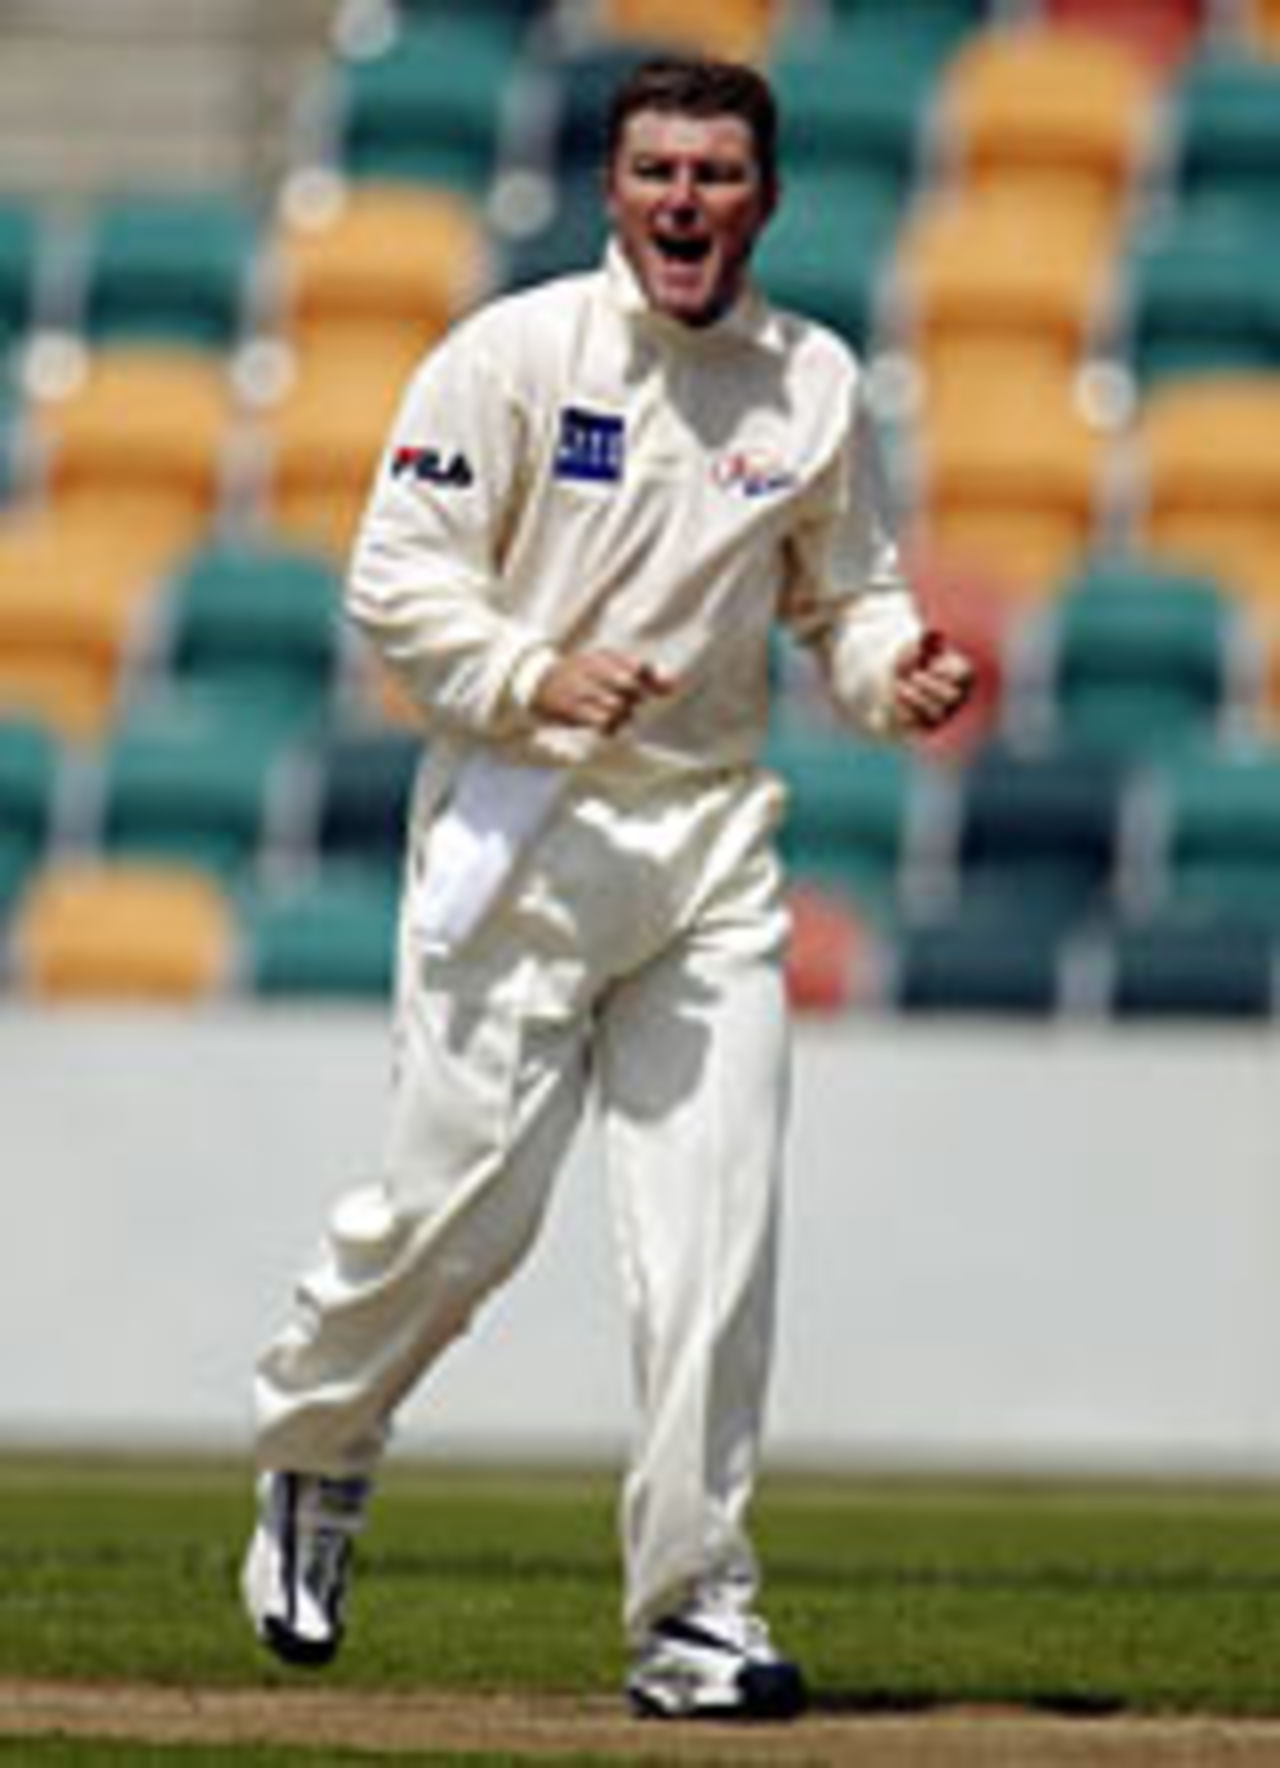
(182, 785)
(571, 238)
(365, 781)
(1201, 294)
(426, 109)
(824, 252)
(21, 237)
(1217, 845)
(254, 625)
(1225, 114)
(1142, 660)
(978, 962)
(29, 763)
(847, 817)
(1192, 969)
(559, 106)
(1037, 836)
(170, 268)
(951, 20)
(332, 934)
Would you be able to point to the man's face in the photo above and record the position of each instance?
(687, 201)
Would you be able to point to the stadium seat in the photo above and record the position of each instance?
(559, 105)
(142, 445)
(21, 238)
(1192, 969)
(826, 249)
(1217, 845)
(1201, 294)
(1064, 115)
(858, 98)
(569, 237)
(318, 447)
(330, 934)
(952, 20)
(1208, 481)
(381, 267)
(979, 963)
(1225, 118)
(1009, 483)
(1037, 836)
(181, 784)
(426, 109)
(73, 602)
(737, 29)
(995, 285)
(128, 931)
(1164, 33)
(365, 781)
(1139, 660)
(847, 814)
(168, 268)
(30, 758)
(253, 624)
(1262, 28)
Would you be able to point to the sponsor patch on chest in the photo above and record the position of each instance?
(752, 472)
(591, 446)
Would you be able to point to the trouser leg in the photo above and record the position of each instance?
(483, 1110)
(693, 1079)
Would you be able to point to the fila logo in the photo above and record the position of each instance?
(433, 467)
(591, 446)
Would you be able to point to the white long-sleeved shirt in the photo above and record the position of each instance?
(570, 469)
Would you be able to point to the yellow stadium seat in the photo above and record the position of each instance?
(739, 29)
(320, 446)
(1207, 460)
(1262, 25)
(71, 597)
(141, 445)
(994, 284)
(1066, 115)
(89, 931)
(381, 264)
(1010, 487)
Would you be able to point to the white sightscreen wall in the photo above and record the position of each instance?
(1051, 1247)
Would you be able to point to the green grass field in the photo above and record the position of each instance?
(896, 1595)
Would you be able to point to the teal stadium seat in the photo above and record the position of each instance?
(173, 268)
(826, 250)
(21, 240)
(1142, 659)
(1225, 113)
(362, 804)
(180, 784)
(30, 759)
(428, 108)
(1201, 293)
(331, 934)
(1037, 838)
(847, 816)
(1197, 969)
(571, 238)
(559, 104)
(948, 20)
(253, 627)
(979, 963)
(1217, 845)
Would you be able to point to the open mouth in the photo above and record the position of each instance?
(681, 248)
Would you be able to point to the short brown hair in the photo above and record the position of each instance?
(691, 86)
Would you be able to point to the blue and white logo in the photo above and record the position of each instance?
(591, 446)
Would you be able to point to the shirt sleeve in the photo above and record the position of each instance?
(425, 578)
(847, 598)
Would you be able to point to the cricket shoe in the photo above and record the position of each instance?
(295, 1574)
(699, 1665)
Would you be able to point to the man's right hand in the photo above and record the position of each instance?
(598, 690)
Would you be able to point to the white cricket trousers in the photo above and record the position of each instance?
(635, 958)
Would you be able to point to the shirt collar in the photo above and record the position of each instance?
(751, 318)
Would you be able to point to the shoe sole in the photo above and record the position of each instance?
(290, 1648)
